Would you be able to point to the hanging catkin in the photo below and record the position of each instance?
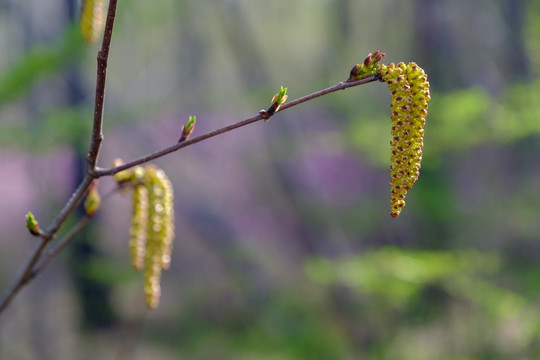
(410, 93)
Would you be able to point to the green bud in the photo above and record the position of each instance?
(32, 224)
(188, 129)
(93, 200)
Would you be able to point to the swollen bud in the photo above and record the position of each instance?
(368, 68)
(93, 200)
(32, 224)
(187, 129)
(124, 175)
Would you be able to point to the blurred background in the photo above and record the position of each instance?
(285, 248)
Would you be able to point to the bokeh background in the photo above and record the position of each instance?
(284, 247)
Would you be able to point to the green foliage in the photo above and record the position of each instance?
(457, 120)
(456, 293)
(55, 127)
(35, 64)
(283, 326)
(396, 276)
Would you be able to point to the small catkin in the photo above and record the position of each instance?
(92, 19)
(152, 263)
(160, 232)
(168, 218)
(410, 93)
(152, 224)
(139, 224)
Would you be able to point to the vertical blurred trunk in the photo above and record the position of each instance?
(433, 46)
(94, 295)
(516, 63)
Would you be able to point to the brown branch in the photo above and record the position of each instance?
(76, 197)
(70, 206)
(55, 249)
(101, 78)
(97, 135)
(22, 278)
(38, 260)
(261, 116)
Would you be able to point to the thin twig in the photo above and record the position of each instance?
(38, 260)
(22, 278)
(54, 250)
(76, 197)
(31, 270)
(97, 135)
(70, 206)
(341, 86)
(101, 78)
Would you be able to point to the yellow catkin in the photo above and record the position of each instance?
(167, 232)
(92, 19)
(124, 175)
(152, 224)
(160, 232)
(410, 93)
(152, 263)
(139, 224)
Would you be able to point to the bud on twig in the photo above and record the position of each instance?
(32, 224)
(369, 67)
(93, 200)
(188, 129)
(277, 101)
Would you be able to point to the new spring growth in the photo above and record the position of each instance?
(277, 101)
(187, 129)
(32, 224)
(93, 200)
(369, 67)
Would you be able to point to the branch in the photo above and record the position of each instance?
(55, 249)
(40, 259)
(102, 60)
(22, 278)
(70, 206)
(97, 137)
(261, 116)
